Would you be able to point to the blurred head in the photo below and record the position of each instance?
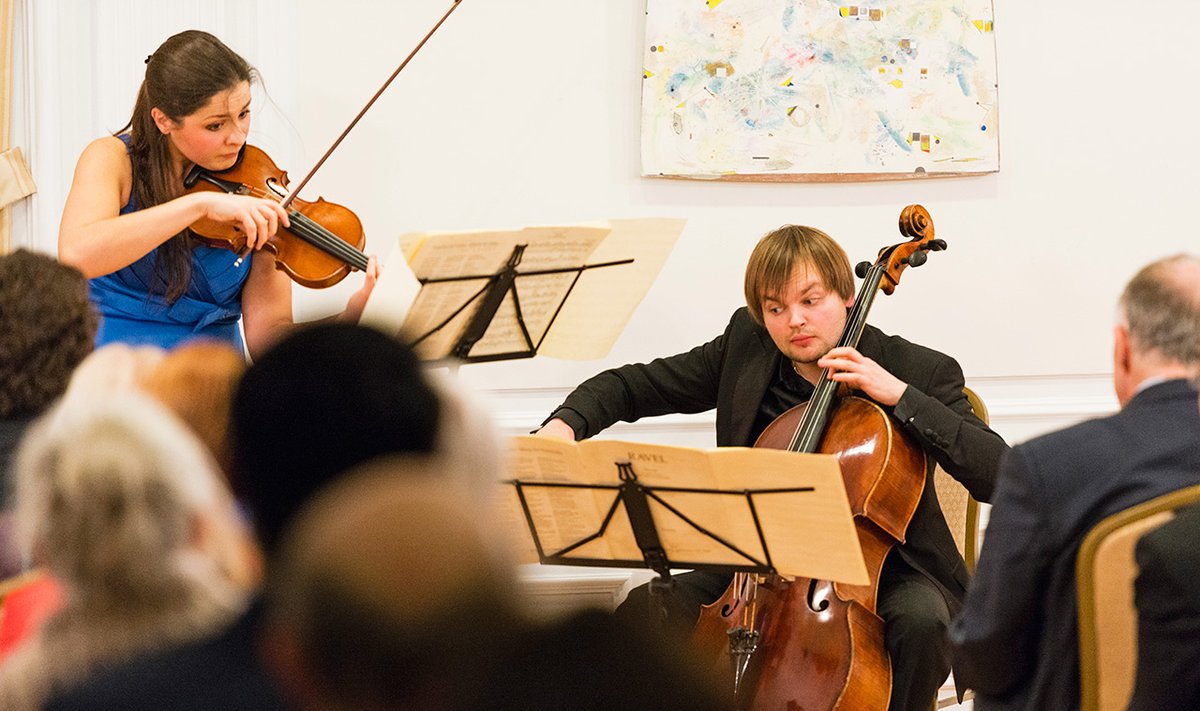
(322, 400)
(196, 381)
(386, 590)
(112, 495)
(108, 371)
(47, 326)
(1158, 328)
(799, 286)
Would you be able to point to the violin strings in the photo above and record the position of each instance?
(313, 233)
(322, 239)
(328, 241)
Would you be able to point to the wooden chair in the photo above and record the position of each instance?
(962, 516)
(1105, 571)
(958, 506)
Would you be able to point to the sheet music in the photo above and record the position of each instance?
(461, 254)
(810, 534)
(563, 516)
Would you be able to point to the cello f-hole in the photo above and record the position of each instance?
(813, 603)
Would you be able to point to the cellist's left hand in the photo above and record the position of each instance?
(358, 300)
(847, 365)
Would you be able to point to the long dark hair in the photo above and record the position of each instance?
(181, 76)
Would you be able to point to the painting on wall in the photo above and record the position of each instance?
(819, 90)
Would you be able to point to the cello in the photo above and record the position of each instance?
(819, 645)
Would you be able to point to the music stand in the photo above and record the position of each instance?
(636, 498)
(564, 291)
(496, 288)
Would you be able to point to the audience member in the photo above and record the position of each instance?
(1168, 604)
(116, 499)
(390, 594)
(1016, 642)
(196, 381)
(46, 327)
(109, 372)
(323, 400)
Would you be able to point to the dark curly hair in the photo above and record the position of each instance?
(47, 326)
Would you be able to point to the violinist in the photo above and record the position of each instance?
(126, 219)
(799, 289)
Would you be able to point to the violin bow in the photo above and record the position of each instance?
(296, 190)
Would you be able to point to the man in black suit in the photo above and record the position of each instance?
(1168, 603)
(323, 400)
(799, 289)
(1017, 640)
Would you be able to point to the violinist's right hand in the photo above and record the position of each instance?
(258, 218)
(557, 428)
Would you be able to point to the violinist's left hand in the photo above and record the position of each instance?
(847, 365)
(358, 300)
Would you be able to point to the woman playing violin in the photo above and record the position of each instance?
(126, 219)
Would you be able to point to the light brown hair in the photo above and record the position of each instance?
(779, 253)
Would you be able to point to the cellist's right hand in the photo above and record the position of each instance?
(557, 428)
(258, 218)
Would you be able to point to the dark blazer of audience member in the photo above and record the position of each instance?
(1168, 604)
(1017, 640)
(47, 326)
(323, 400)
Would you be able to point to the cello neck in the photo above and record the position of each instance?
(808, 436)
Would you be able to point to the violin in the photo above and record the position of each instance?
(322, 245)
(325, 240)
(812, 644)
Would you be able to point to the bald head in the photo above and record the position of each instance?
(1161, 308)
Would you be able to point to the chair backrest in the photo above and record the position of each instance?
(959, 508)
(1105, 571)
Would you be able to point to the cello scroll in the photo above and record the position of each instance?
(916, 223)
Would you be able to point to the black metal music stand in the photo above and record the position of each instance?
(636, 498)
(496, 287)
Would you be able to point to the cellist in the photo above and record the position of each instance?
(799, 288)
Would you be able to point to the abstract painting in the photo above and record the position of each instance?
(810, 90)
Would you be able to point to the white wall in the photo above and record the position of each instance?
(527, 112)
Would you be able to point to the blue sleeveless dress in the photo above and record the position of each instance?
(210, 308)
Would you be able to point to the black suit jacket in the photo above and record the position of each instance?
(732, 373)
(1168, 602)
(1017, 640)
